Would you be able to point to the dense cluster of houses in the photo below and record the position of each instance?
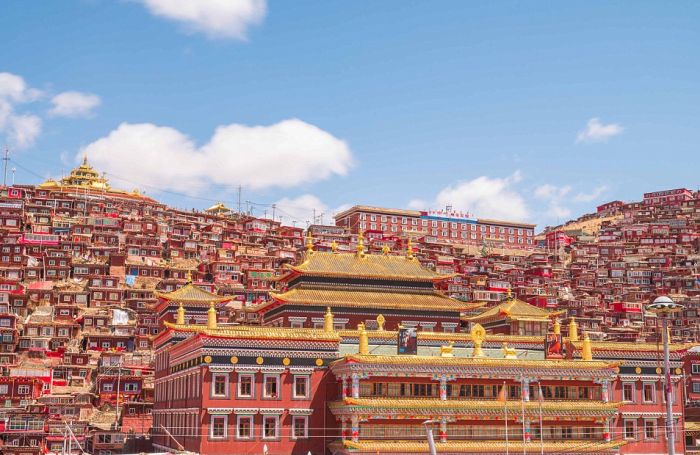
(87, 272)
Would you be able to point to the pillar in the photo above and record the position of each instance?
(443, 429)
(527, 436)
(344, 386)
(604, 391)
(344, 428)
(355, 424)
(606, 430)
(355, 385)
(443, 388)
(526, 389)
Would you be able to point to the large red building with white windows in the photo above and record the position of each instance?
(447, 225)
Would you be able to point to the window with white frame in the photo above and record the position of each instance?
(649, 392)
(649, 428)
(628, 391)
(245, 385)
(23, 390)
(300, 427)
(301, 386)
(270, 426)
(244, 427)
(217, 427)
(219, 385)
(271, 386)
(696, 368)
(630, 429)
(696, 387)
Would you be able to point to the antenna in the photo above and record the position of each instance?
(6, 158)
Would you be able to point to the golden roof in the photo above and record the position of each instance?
(428, 406)
(514, 309)
(218, 208)
(192, 293)
(473, 361)
(377, 266)
(256, 332)
(639, 346)
(498, 446)
(368, 299)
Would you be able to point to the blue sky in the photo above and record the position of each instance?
(524, 110)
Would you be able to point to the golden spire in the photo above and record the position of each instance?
(363, 347)
(573, 330)
(586, 350)
(557, 327)
(84, 160)
(211, 316)
(509, 294)
(409, 249)
(380, 322)
(386, 250)
(334, 246)
(360, 244)
(188, 278)
(328, 320)
(180, 315)
(309, 242)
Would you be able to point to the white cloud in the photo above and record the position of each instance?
(215, 18)
(484, 197)
(286, 154)
(548, 191)
(74, 104)
(595, 131)
(417, 204)
(21, 129)
(13, 88)
(554, 196)
(300, 210)
(591, 196)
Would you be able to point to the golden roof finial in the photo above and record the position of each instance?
(509, 294)
(573, 330)
(211, 317)
(328, 321)
(363, 347)
(85, 163)
(309, 242)
(380, 322)
(360, 244)
(334, 246)
(188, 277)
(586, 349)
(557, 327)
(409, 249)
(386, 250)
(180, 315)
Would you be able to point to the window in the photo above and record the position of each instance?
(245, 385)
(649, 392)
(270, 424)
(23, 390)
(696, 387)
(220, 385)
(3, 389)
(107, 387)
(217, 427)
(696, 368)
(628, 391)
(301, 386)
(244, 427)
(649, 429)
(630, 429)
(131, 387)
(271, 386)
(299, 427)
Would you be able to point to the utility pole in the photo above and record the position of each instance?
(274, 206)
(240, 189)
(6, 158)
(13, 176)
